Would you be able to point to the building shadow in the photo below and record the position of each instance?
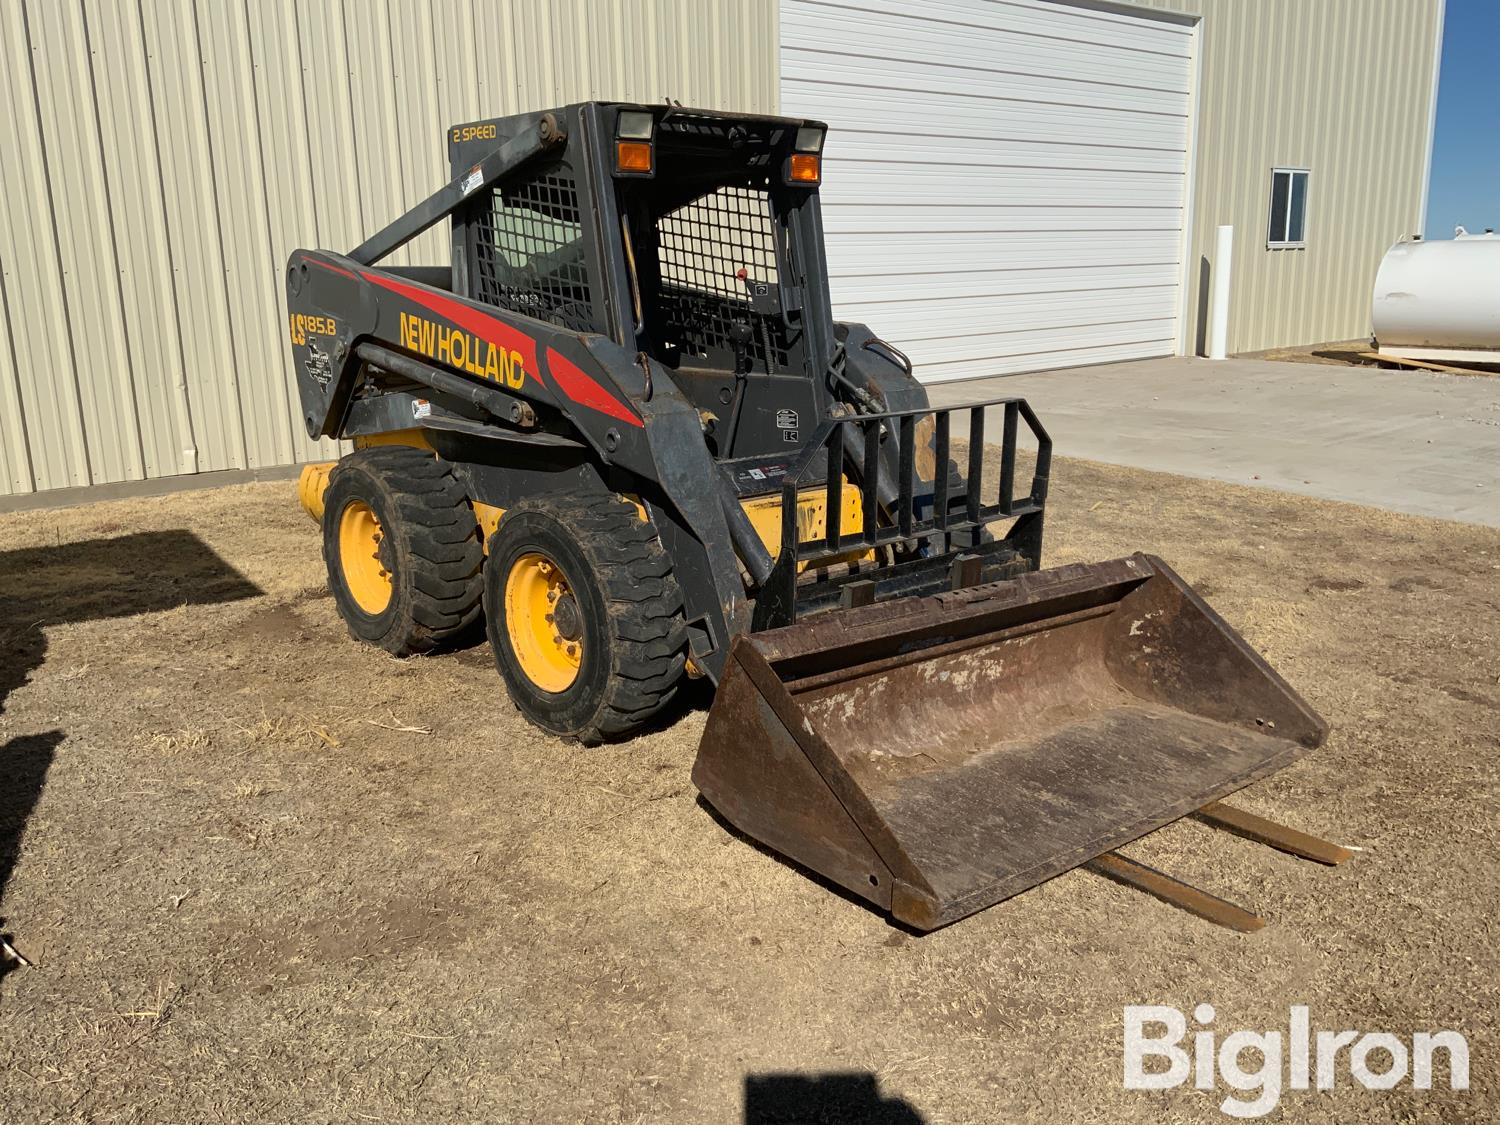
(842, 1098)
(89, 580)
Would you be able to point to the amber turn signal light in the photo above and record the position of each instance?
(805, 168)
(632, 156)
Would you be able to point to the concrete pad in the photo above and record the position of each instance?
(1423, 443)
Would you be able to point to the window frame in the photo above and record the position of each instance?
(1283, 242)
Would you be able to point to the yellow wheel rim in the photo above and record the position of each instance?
(543, 622)
(365, 572)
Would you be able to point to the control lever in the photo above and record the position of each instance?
(740, 335)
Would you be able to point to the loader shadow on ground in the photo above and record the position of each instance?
(24, 763)
(112, 576)
(98, 578)
(835, 1099)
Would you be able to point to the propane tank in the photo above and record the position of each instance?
(1440, 300)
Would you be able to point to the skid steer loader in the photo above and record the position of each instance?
(622, 427)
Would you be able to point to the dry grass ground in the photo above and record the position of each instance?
(274, 875)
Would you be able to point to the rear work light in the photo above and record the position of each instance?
(633, 148)
(810, 139)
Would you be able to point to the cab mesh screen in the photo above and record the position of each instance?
(702, 248)
(530, 251)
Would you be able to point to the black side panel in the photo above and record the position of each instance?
(878, 368)
(494, 474)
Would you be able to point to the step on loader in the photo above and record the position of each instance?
(620, 429)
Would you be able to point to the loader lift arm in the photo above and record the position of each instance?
(525, 146)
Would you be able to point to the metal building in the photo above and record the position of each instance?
(1015, 185)
(1054, 168)
(163, 157)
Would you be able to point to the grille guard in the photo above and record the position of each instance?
(845, 446)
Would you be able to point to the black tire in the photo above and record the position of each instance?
(429, 545)
(628, 608)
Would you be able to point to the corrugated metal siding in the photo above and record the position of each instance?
(164, 156)
(1341, 87)
(1006, 193)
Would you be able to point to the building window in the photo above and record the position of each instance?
(1288, 209)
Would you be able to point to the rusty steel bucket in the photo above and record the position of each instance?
(938, 754)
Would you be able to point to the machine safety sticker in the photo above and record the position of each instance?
(318, 365)
(753, 480)
(786, 419)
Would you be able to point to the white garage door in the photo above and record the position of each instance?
(1004, 180)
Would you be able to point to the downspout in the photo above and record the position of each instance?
(1437, 61)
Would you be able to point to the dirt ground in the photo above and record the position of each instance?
(1337, 353)
(265, 873)
(1354, 353)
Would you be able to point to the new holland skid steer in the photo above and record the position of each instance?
(622, 426)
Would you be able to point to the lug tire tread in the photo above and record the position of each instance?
(648, 636)
(440, 545)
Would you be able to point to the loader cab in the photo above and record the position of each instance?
(692, 237)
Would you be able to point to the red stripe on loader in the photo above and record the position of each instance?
(468, 318)
(569, 378)
(582, 389)
(330, 266)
